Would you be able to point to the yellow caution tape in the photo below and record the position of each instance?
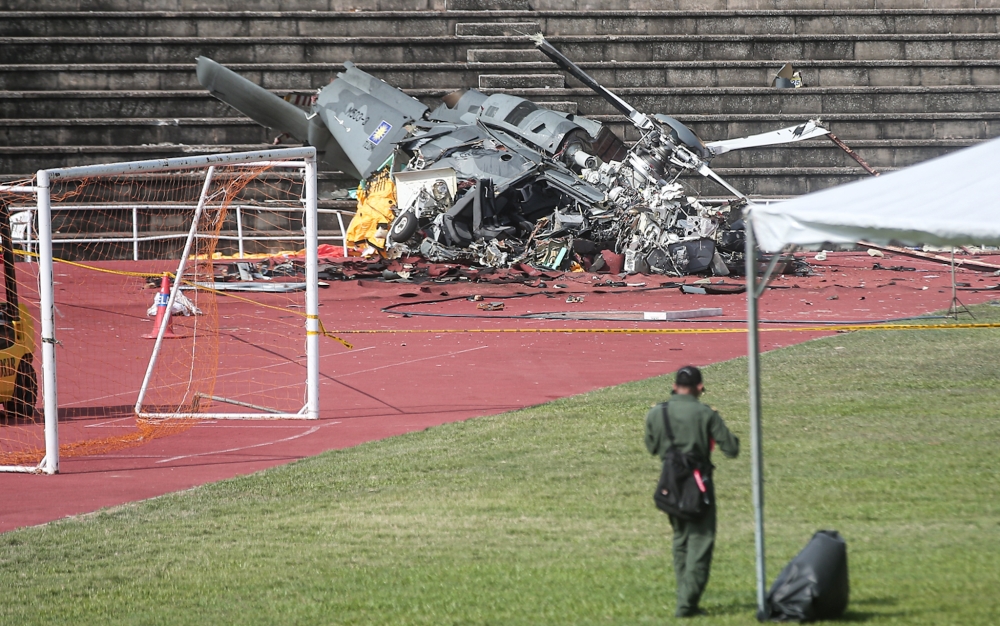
(330, 335)
(670, 331)
(228, 294)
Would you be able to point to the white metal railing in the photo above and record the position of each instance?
(30, 238)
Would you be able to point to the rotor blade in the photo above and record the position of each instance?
(638, 118)
(807, 130)
(707, 172)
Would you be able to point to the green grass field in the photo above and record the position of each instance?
(545, 516)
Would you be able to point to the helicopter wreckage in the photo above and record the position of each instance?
(499, 181)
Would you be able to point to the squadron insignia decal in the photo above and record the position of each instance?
(379, 134)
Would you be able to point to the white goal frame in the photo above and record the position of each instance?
(304, 158)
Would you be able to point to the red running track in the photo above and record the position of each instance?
(397, 383)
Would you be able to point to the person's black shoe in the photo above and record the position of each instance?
(691, 613)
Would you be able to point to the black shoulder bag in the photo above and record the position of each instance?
(683, 490)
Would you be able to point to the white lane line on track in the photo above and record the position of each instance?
(256, 445)
(117, 419)
(241, 424)
(426, 358)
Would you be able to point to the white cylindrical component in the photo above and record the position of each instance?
(30, 237)
(175, 288)
(239, 228)
(135, 233)
(312, 292)
(343, 231)
(585, 160)
(50, 464)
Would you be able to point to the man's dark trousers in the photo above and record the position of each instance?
(693, 544)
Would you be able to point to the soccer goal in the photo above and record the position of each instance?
(168, 292)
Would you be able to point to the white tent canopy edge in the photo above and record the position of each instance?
(951, 200)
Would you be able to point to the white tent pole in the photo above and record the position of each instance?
(756, 451)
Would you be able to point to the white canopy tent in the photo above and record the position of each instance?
(952, 200)
(948, 201)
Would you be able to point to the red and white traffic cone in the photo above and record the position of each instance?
(162, 299)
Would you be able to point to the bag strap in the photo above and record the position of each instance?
(665, 408)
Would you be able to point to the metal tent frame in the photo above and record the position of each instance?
(755, 289)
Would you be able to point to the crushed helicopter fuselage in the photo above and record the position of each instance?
(497, 180)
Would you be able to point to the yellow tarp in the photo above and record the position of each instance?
(376, 205)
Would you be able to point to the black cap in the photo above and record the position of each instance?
(688, 376)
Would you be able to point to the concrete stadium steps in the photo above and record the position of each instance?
(307, 77)
(31, 158)
(851, 127)
(521, 81)
(899, 80)
(435, 23)
(441, 5)
(776, 182)
(133, 131)
(821, 152)
(806, 102)
(756, 5)
(809, 102)
(240, 130)
(892, 153)
(231, 5)
(734, 100)
(833, 73)
(420, 49)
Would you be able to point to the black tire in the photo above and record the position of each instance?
(403, 227)
(21, 405)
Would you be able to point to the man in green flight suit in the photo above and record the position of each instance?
(696, 428)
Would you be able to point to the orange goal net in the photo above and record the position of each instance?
(175, 290)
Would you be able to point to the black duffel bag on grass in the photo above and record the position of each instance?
(814, 585)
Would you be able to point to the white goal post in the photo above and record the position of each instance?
(304, 158)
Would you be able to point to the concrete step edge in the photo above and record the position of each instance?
(439, 40)
(812, 144)
(639, 91)
(741, 172)
(143, 149)
(157, 122)
(367, 15)
(514, 65)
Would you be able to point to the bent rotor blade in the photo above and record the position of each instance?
(807, 130)
(707, 172)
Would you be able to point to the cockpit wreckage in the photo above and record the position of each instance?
(497, 180)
